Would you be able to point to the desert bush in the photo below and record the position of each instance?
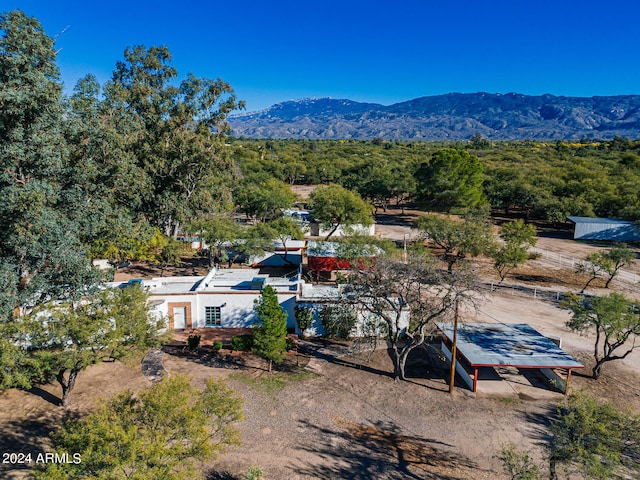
(338, 321)
(304, 317)
(242, 343)
(193, 342)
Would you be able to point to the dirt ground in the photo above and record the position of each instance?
(347, 418)
(28, 417)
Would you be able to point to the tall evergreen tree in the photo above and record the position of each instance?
(103, 183)
(38, 242)
(270, 338)
(451, 180)
(179, 131)
(42, 258)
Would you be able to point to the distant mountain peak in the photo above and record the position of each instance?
(452, 116)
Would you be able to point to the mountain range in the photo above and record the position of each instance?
(454, 116)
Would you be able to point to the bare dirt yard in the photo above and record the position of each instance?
(330, 414)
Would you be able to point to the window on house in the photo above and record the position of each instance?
(211, 316)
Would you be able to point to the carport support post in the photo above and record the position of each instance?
(453, 350)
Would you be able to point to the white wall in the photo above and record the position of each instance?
(236, 309)
(161, 311)
(317, 330)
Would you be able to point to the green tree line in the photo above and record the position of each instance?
(542, 180)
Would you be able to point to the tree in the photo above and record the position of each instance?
(518, 237)
(170, 254)
(293, 171)
(507, 257)
(478, 142)
(283, 229)
(338, 320)
(40, 247)
(42, 257)
(452, 179)
(359, 248)
(215, 232)
(130, 242)
(270, 336)
(456, 238)
(610, 262)
(334, 206)
(179, 132)
(103, 184)
(594, 438)
(619, 256)
(304, 317)
(403, 185)
(394, 289)
(160, 432)
(595, 265)
(373, 180)
(64, 339)
(615, 320)
(264, 200)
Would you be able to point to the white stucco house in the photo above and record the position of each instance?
(224, 298)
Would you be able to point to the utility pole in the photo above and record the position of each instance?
(404, 248)
(453, 350)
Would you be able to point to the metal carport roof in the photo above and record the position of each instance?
(507, 345)
(513, 345)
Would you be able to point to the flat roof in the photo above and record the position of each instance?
(511, 345)
(217, 280)
(314, 293)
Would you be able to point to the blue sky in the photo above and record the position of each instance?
(368, 50)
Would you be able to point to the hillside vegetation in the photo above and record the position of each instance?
(542, 180)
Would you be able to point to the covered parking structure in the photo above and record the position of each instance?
(493, 345)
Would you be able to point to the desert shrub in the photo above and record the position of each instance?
(254, 473)
(242, 343)
(217, 345)
(304, 317)
(193, 342)
(338, 321)
(517, 464)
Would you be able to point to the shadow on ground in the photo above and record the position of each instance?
(208, 358)
(238, 361)
(46, 396)
(28, 436)
(214, 475)
(380, 450)
(424, 363)
(538, 424)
